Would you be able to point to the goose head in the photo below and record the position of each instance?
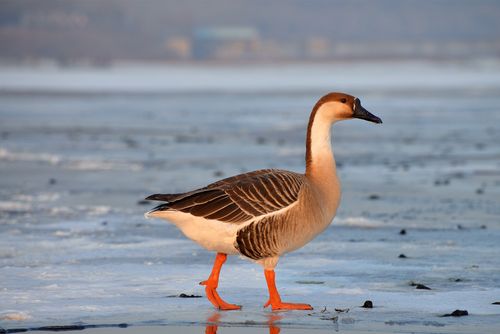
(340, 106)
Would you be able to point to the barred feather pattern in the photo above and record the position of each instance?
(238, 199)
(261, 239)
(272, 235)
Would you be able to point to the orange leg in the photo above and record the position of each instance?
(274, 296)
(213, 281)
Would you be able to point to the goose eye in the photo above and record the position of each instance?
(343, 100)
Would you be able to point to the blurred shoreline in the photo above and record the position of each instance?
(52, 63)
(467, 78)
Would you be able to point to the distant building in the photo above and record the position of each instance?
(225, 43)
(178, 48)
(317, 48)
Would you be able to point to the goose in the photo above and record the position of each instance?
(264, 214)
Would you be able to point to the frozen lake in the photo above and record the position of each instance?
(79, 149)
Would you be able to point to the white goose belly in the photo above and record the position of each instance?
(211, 234)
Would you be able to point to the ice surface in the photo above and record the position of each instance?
(79, 149)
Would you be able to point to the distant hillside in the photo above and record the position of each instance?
(163, 29)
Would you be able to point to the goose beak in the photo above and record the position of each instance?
(362, 113)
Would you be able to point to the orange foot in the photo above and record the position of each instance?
(279, 305)
(213, 281)
(215, 299)
(274, 296)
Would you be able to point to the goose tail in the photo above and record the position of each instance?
(157, 210)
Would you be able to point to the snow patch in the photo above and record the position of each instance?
(358, 222)
(41, 197)
(347, 291)
(14, 206)
(98, 165)
(28, 156)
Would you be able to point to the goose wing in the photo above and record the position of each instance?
(238, 198)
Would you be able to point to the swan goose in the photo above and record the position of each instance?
(266, 213)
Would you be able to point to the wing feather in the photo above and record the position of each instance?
(239, 198)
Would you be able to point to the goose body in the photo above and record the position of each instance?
(266, 213)
(260, 215)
